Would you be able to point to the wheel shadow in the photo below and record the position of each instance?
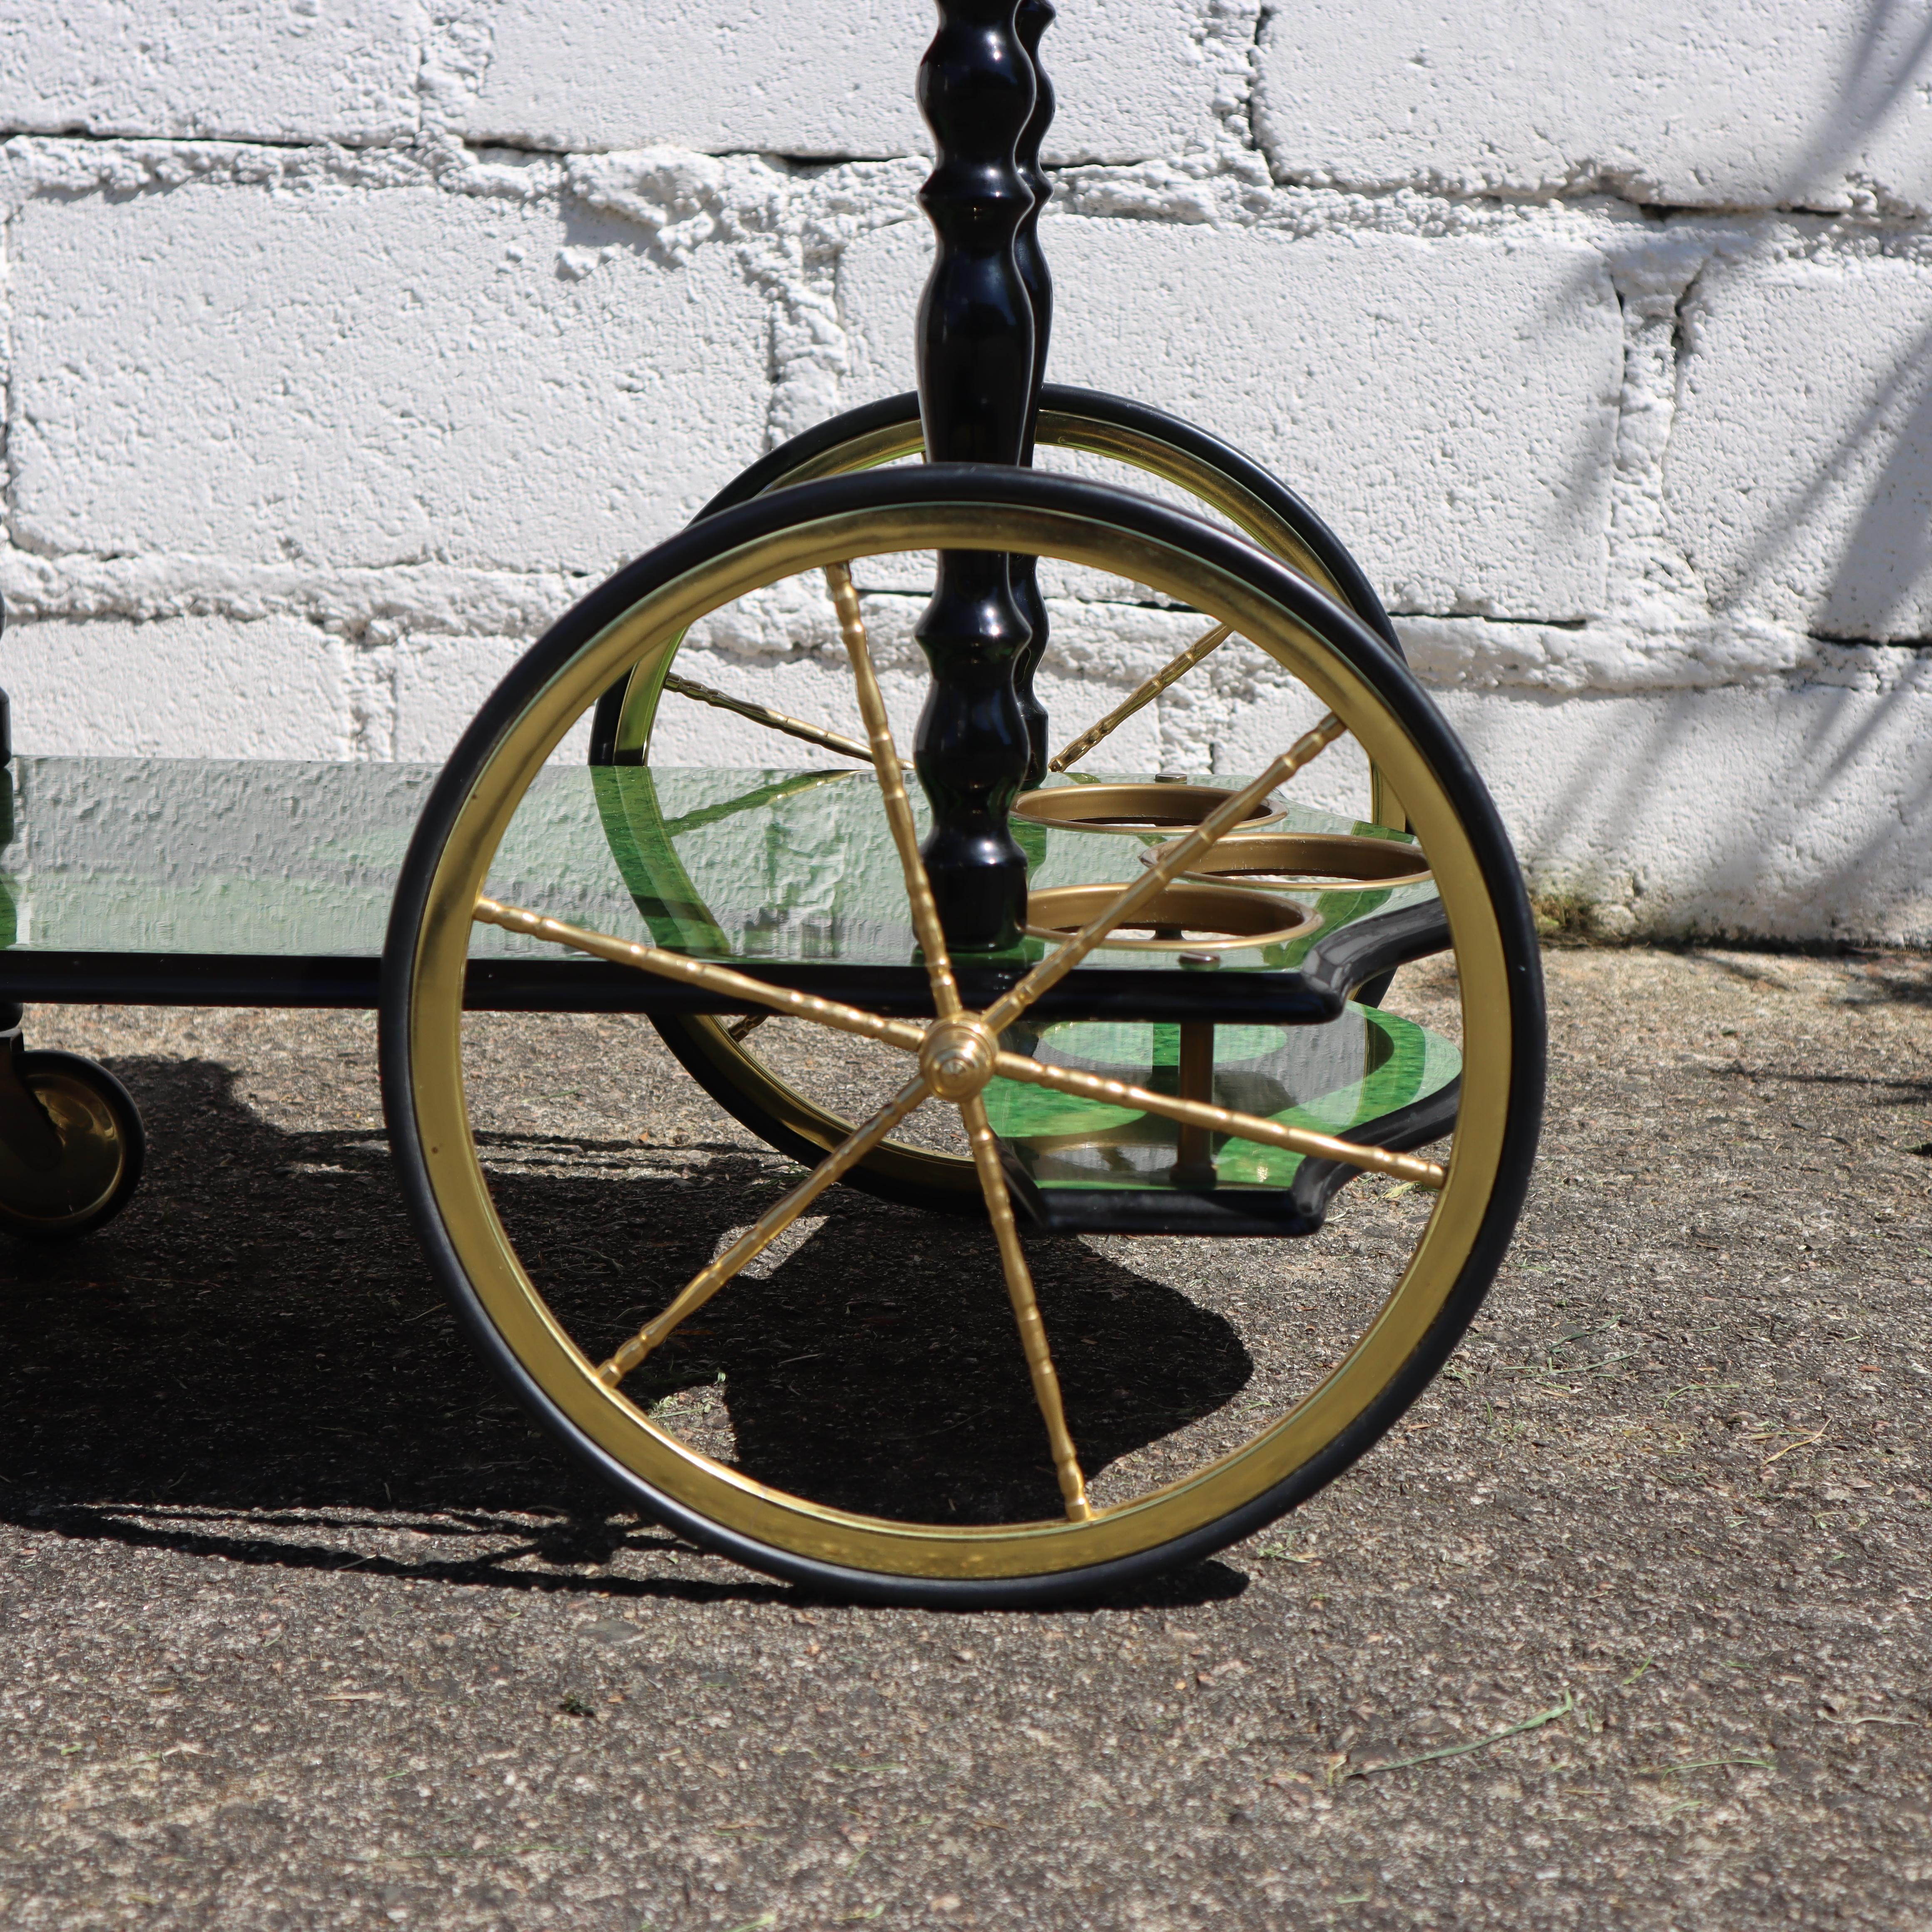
(257, 1337)
(879, 1369)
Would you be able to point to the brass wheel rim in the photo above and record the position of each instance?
(737, 1503)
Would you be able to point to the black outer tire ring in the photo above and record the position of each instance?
(1121, 412)
(883, 489)
(900, 412)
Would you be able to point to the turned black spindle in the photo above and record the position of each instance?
(1034, 17)
(976, 377)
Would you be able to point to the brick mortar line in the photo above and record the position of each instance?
(1188, 187)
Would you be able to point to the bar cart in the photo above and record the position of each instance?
(965, 974)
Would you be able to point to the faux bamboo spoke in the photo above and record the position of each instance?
(1220, 1119)
(1026, 1309)
(764, 1231)
(1176, 859)
(902, 1033)
(775, 721)
(886, 762)
(1142, 696)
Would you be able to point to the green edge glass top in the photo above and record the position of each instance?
(268, 858)
(801, 866)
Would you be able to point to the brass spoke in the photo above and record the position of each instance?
(886, 762)
(721, 980)
(1026, 1309)
(1174, 859)
(1220, 1119)
(775, 721)
(1142, 696)
(769, 1226)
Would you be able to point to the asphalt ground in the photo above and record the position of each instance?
(302, 1625)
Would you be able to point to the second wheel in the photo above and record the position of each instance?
(778, 1082)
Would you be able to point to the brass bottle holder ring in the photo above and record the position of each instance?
(1307, 862)
(1182, 918)
(1131, 807)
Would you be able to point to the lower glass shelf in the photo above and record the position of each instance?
(1086, 1166)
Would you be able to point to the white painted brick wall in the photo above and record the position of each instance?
(369, 377)
(1838, 536)
(1750, 104)
(1483, 397)
(306, 70)
(345, 342)
(180, 687)
(797, 77)
(1800, 813)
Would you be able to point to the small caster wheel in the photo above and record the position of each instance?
(71, 1145)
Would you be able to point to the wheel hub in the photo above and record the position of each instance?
(957, 1058)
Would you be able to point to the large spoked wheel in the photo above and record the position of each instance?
(879, 1512)
(753, 1082)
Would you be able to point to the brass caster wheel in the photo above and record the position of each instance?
(756, 1072)
(1020, 1418)
(71, 1145)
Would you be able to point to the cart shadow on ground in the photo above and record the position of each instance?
(252, 1365)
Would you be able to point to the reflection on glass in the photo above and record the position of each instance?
(264, 858)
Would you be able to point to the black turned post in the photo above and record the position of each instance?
(976, 375)
(1035, 16)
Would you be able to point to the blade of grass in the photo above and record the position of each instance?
(1803, 1442)
(1535, 1723)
